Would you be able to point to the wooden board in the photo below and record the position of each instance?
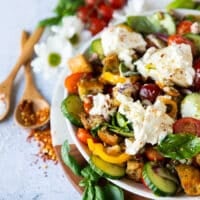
(75, 179)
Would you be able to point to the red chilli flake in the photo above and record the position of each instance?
(46, 149)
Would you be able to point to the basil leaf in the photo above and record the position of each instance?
(190, 4)
(99, 194)
(179, 146)
(68, 7)
(89, 192)
(50, 21)
(69, 160)
(90, 174)
(112, 192)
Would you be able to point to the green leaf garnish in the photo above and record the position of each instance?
(179, 146)
(69, 160)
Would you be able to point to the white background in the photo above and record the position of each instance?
(20, 177)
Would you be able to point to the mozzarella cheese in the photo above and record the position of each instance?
(168, 66)
(101, 105)
(150, 125)
(122, 41)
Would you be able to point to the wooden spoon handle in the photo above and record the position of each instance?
(26, 52)
(27, 69)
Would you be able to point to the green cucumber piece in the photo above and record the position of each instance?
(71, 108)
(160, 185)
(96, 47)
(190, 106)
(121, 120)
(195, 39)
(106, 169)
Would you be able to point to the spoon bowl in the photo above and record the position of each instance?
(6, 85)
(40, 110)
(33, 111)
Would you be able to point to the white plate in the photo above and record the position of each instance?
(62, 130)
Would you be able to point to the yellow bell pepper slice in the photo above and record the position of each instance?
(98, 150)
(108, 77)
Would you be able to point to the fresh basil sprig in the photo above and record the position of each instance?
(63, 8)
(69, 160)
(90, 179)
(179, 146)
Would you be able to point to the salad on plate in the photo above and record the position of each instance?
(134, 98)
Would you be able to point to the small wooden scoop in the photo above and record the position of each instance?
(26, 54)
(33, 111)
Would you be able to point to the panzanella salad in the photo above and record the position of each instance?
(134, 96)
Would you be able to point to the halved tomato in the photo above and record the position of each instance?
(152, 154)
(187, 125)
(72, 80)
(184, 27)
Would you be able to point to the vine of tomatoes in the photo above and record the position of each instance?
(96, 14)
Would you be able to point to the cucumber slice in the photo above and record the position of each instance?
(106, 169)
(96, 47)
(190, 106)
(160, 185)
(71, 108)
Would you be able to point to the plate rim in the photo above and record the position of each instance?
(83, 150)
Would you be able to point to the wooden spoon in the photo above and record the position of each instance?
(26, 54)
(31, 100)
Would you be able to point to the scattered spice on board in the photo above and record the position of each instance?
(29, 116)
(43, 137)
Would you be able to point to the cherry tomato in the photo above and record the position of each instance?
(187, 125)
(184, 27)
(105, 11)
(196, 82)
(117, 3)
(72, 80)
(178, 39)
(86, 12)
(152, 154)
(149, 91)
(87, 105)
(83, 135)
(93, 2)
(96, 25)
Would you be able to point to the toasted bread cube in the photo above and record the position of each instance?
(79, 64)
(86, 87)
(190, 179)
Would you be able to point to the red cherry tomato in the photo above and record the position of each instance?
(117, 3)
(187, 125)
(83, 135)
(105, 11)
(87, 105)
(72, 80)
(149, 91)
(96, 25)
(152, 154)
(178, 39)
(196, 82)
(93, 2)
(184, 27)
(86, 12)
